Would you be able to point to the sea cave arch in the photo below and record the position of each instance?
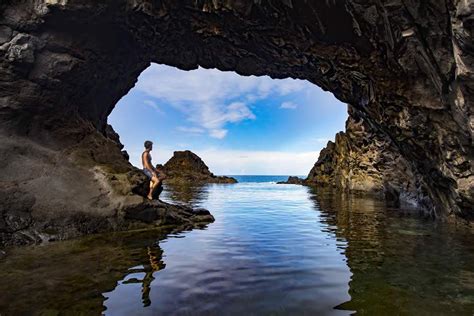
(238, 125)
(404, 68)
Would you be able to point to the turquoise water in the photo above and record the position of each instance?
(261, 179)
(273, 250)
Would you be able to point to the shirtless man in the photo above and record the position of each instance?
(149, 170)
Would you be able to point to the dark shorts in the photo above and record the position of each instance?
(148, 173)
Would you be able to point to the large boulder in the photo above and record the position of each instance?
(186, 167)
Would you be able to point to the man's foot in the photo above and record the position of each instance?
(149, 197)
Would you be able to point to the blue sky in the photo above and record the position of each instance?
(236, 124)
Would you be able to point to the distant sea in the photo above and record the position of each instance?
(260, 179)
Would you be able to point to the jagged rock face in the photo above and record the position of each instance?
(406, 67)
(365, 160)
(187, 167)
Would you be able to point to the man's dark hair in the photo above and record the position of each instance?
(148, 144)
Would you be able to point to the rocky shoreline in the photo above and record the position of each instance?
(80, 190)
(147, 215)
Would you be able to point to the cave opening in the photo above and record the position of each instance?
(237, 124)
(67, 63)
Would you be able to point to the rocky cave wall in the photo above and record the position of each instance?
(364, 160)
(406, 68)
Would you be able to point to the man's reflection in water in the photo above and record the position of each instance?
(155, 264)
(186, 194)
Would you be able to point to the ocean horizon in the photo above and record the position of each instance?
(263, 178)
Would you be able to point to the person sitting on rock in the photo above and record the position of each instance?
(149, 170)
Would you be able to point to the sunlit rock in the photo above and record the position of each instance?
(292, 180)
(186, 167)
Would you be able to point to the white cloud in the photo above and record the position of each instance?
(238, 111)
(218, 133)
(228, 162)
(258, 162)
(190, 130)
(154, 106)
(210, 98)
(288, 105)
(214, 118)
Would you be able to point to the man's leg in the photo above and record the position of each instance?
(153, 183)
(152, 186)
(150, 191)
(156, 187)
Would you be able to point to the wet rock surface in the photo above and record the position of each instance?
(186, 167)
(406, 69)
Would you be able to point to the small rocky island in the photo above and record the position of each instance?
(292, 180)
(187, 167)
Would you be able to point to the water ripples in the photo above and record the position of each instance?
(273, 250)
(267, 252)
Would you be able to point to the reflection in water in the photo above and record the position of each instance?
(273, 249)
(155, 264)
(264, 254)
(191, 195)
(72, 275)
(400, 263)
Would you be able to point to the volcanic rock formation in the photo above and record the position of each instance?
(363, 160)
(291, 180)
(405, 67)
(185, 167)
(54, 193)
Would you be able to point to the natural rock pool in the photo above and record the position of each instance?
(273, 249)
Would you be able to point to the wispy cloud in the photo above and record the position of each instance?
(241, 161)
(258, 162)
(218, 133)
(212, 99)
(190, 130)
(288, 105)
(154, 106)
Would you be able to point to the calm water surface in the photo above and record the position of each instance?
(273, 250)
